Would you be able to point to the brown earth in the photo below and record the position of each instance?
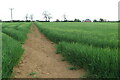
(41, 61)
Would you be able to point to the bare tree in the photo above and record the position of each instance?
(65, 17)
(31, 17)
(26, 17)
(47, 15)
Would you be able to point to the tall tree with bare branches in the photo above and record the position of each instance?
(47, 15)
(65, 17)
(31, 17)
(26, 17)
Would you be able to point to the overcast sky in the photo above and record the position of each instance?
(81, 9)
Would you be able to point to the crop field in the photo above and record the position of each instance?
(92, 46)
(13, 36)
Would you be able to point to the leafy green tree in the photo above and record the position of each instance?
(57, 20)
(101, 20)
(95, 20)
(77, 20)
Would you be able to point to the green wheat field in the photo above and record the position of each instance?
(91, 46)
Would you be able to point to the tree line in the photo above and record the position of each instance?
(47, 18)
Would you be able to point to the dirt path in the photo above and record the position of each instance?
(41, 61)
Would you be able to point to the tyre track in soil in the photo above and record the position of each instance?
(41, 59)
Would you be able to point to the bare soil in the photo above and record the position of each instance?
(41, 61)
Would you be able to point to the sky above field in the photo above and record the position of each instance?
(80, 9)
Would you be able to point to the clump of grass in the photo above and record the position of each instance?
(63, 60)
(98, 61)
(32, 73)
(10, 58)
(73, 68)
(13, 34)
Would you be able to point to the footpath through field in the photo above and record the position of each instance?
(40, 60)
